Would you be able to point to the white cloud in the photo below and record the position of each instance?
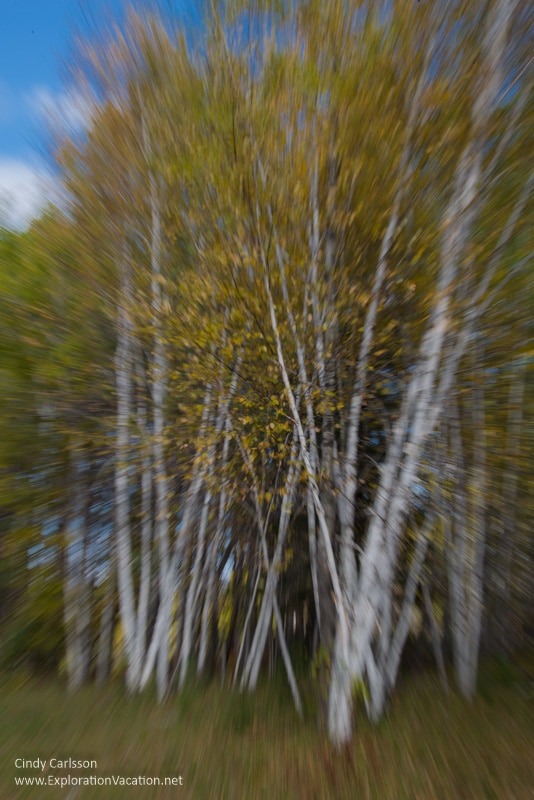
(24, 191)
(71, 109)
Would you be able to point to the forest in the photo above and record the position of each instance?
(267, 402)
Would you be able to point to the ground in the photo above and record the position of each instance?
(225, 745)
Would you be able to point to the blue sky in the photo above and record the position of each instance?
(35, 40)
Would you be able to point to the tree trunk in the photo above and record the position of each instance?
(123, 380)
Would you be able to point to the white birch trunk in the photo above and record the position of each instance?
(271, 604)
(212, 557)
(123, 380)
(159, 391)
(252, 667)
(391, 504)
(185, 651)
(76, 600)
(244, 636)
(146, 529)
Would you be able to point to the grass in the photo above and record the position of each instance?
(232, 746)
